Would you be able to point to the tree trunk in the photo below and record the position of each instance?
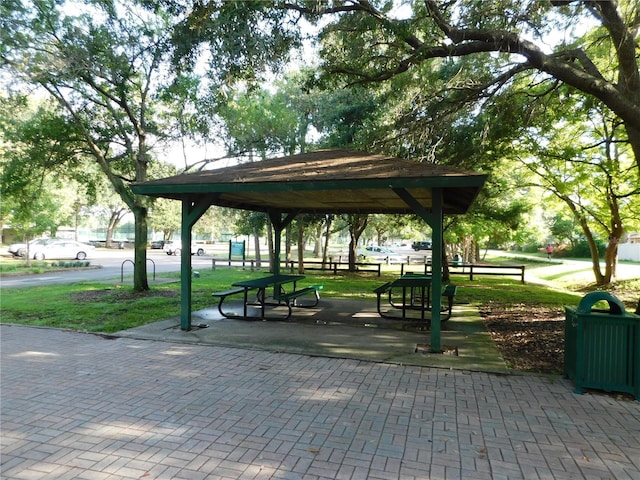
(353, 251)
(270, 245)
(595, 257)
(327, 236)
(634, 140)
(140, 282)
(593, 246)
(357, 225)
(446, 275)
(611, 260)
(317, 248)
(256, 236)
(114, 220)
(300, 248)
(109, 237)
(287, 243)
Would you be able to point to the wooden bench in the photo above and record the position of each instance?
(290, 298)
(222, 296)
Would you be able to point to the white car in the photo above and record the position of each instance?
(175, 248)
(382, 254)
(61, 249)
(20, 249)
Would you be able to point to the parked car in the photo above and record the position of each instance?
(20, 249)
(157, 245)
(397, 244)
(61, 249)
(421, 246)
(382, 254)
(175, 248)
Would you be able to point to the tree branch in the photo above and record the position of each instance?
(584, 78)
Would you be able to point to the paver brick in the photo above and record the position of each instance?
(77, 409)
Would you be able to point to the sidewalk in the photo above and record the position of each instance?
(83, 406)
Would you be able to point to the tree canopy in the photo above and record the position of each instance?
(367, 41)
(472, 84)
(106, 65)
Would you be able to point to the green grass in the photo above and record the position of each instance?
(105, 307)
(99, 307)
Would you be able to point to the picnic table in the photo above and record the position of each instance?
(280, 296)
(415, 295)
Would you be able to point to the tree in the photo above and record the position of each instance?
(559, 137)
(569, 161)
(563, 228)
(363, 41)
(265, 122)
(165, 216)
(357, 224)
(38, 148)
(261, 122)
(104, 67)
(253, 223)
(342, 116)
(366, 44)
(477, 48)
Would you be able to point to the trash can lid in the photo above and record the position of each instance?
(590, 299)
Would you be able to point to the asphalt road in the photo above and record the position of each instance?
(115, 264)
(112, 264)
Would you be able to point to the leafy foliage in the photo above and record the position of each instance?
(105, 64)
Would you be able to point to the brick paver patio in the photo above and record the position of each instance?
(79, 406)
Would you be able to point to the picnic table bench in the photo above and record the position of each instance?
(222, 296)
(280, 296)
(292, 297)
(415, 295)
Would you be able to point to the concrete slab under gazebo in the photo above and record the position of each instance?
(322, 182)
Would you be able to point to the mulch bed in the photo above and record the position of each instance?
(530, 338)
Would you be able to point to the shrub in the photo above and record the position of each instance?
(581, 249)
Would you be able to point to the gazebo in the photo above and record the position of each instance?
(322, 182)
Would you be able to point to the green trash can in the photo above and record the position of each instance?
(602, 347)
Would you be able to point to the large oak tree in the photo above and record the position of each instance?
(105, 63)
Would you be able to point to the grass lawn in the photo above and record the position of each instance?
(104, 307)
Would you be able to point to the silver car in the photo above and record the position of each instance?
(382, 254)
(20, 249)
(61, 249)
(175, 248)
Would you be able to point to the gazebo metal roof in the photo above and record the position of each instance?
(324, 181)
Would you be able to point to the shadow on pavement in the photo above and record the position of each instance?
(341, 328)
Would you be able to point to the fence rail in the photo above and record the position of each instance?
(470, 269)
(474, 269)
(335, 266)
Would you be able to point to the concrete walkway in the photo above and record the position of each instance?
(341, 328)
(82, 406)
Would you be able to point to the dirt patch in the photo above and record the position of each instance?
(117, 294)
(529, 337)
